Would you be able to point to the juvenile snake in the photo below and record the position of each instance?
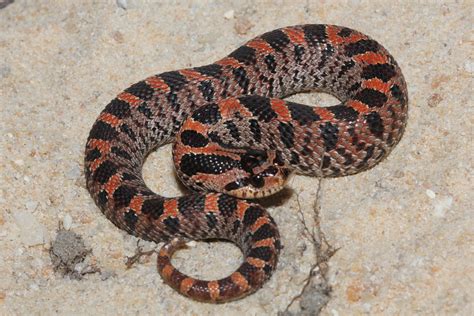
(238, 138)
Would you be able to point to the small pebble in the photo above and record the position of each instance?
(19, 251)
(442, 205)
(122, 4)
(242, 26)
(434, 100)
(367, 307)
(79, 267)
(19, 162)
(67, 222)
(469, 66)
(34, 287)
(229, 14)
(31, 205)
(430, 194)
(118, 36)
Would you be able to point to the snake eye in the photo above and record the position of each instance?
(270, 171)
(257, 181)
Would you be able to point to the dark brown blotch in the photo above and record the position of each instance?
(252, 274)
(207, 90)
(131, 219)
(277, 39)
(141, 90)
(227, 205)
(153, 207)
(172, 225)
(192, 164)
(244, 54)
(123, 195)
(384, 72)
(315, 33)
(102, 130)
(207, 114)
(212, 70)
(263, 253)
(303, 114)
(227, 288)
(375, 124)
(106, 170)
(371, 97)
(259, 106)
(193, 139)
(102, 199)
(343, 112)
(200, 291)
(263, 232)
(211, 220)
(241, 78)
(287, 134)
(93, 154)
(270, 62)
(174, 80)
(118, 108)
(329, 132)
(361, 47)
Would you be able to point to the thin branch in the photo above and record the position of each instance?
(323, 251)
(138, 254)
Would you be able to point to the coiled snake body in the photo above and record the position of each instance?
(239, 139)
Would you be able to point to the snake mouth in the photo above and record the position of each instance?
(252, 193)
(257, 187)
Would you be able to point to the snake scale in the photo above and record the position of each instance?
(236, 139)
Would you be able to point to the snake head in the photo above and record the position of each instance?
(262, 174)
(208, 157)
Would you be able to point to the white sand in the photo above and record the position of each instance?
(404, 228)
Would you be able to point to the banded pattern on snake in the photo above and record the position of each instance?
(234, 135)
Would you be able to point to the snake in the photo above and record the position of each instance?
(235, 139)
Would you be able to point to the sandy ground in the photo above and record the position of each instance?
(403, 230)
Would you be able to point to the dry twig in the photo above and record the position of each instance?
(322, 251)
